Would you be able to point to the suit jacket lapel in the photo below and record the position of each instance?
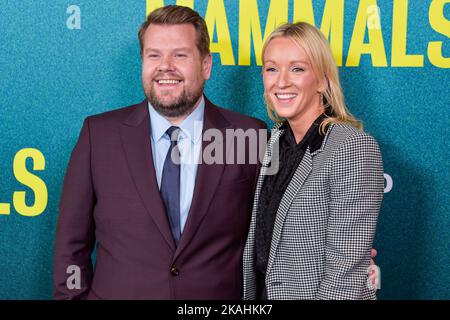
(268, 166)
(301, 174)
(207, 180)
(135, 133)
(249, 251)
(266, 163)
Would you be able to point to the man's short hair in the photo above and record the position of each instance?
(173, 15)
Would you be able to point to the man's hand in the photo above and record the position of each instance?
(374, 270)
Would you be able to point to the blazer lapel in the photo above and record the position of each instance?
(301, 174)
(267, 162)
(135, 133)
(249, 250)
(207, 180)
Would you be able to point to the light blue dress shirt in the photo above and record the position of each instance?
(189, 144)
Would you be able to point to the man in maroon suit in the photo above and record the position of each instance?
(162, 230)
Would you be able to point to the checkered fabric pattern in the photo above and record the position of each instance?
(326, 221)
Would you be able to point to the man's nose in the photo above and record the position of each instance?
(166, 64)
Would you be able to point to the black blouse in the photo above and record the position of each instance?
(274, 186)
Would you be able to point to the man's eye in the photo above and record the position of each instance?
(152, 56)
(180, 55)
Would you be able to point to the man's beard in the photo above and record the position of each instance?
(183, 105)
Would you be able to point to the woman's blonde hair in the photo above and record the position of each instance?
(319, 52)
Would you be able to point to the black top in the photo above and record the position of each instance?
(274, 186)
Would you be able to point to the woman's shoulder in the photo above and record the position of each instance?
(345, 134)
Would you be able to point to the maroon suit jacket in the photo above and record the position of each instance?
(111, 200)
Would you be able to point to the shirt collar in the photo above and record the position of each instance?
(191, 127)
(312, 139)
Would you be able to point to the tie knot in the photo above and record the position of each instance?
(173, 133)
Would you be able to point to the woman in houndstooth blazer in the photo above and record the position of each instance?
(321, 183)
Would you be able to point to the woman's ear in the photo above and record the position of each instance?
(323, 84)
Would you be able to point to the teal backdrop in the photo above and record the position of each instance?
(59, 64)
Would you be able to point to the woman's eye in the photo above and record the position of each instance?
(180, 55)
(298, 69)
(271, 69)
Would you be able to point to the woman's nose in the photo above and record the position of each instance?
(283, 79)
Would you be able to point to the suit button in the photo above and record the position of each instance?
(174, 271)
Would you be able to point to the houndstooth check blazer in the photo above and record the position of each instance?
(326, 221)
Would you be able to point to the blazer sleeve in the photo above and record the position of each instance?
(356, 186)
(75, 232)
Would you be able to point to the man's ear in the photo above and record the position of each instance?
(207, 66)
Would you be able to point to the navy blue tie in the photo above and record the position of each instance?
(170, 184)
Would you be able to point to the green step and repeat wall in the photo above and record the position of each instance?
(61, 61)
